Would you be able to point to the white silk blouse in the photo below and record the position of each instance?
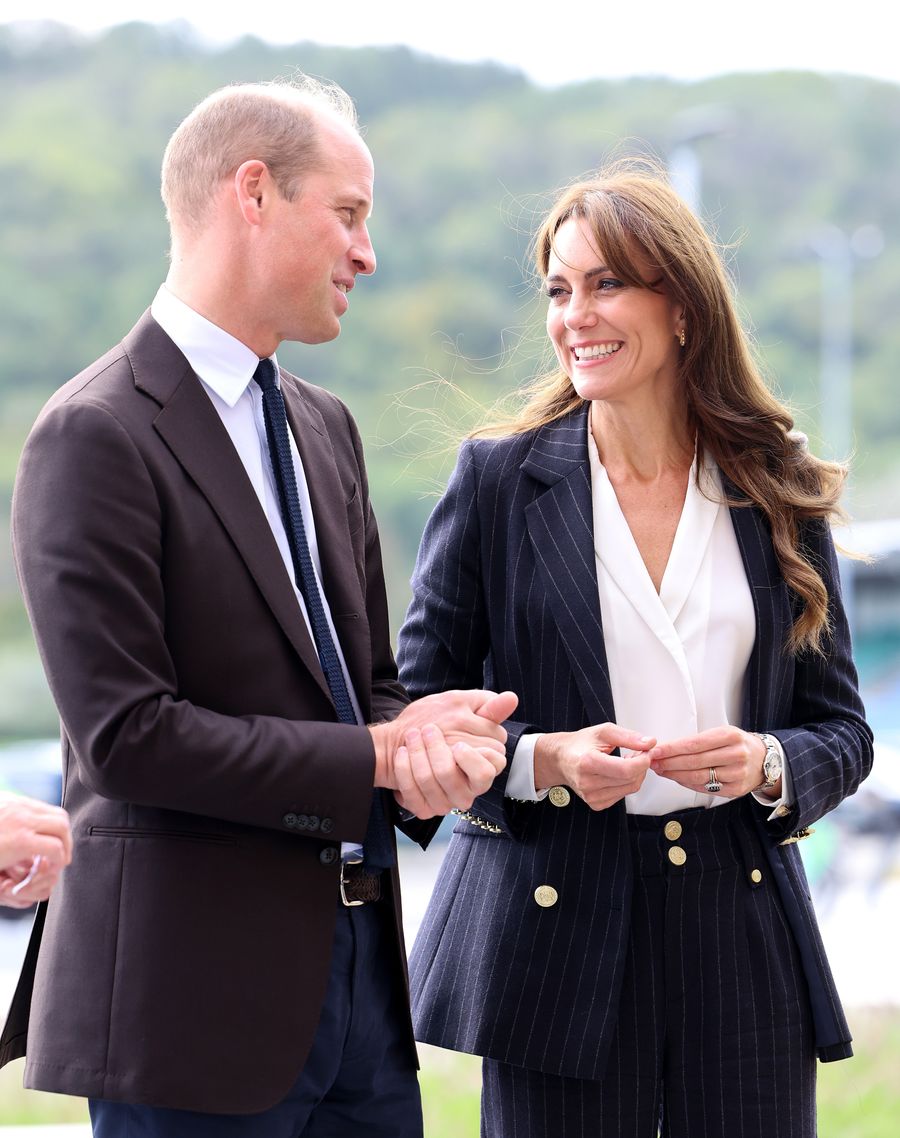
(678, 658)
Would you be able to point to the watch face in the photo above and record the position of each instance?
(772, 765)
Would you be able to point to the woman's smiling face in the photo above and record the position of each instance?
(610, 338)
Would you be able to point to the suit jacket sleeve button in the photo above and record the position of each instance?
(327, 825)
(328, 856)
(302, 821)
(290, 820)
(312, 822)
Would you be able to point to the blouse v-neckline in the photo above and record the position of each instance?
(616, 548)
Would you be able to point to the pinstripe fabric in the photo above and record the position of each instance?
(505, 594)
(713, 1035)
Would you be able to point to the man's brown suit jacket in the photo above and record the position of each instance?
(183, 959)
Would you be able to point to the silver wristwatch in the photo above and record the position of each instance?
(772, 763)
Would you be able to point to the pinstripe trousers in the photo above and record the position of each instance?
(714, 1035)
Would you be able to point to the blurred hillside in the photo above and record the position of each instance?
(465, 157)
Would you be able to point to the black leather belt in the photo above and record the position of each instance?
(357, 886)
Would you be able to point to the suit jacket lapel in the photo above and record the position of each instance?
(771, 607)
(559, 521)
(190, 427)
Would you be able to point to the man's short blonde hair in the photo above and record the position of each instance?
(276, 123)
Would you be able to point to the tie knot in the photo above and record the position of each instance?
(266, 375)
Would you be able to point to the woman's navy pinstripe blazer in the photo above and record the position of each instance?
(505, 596)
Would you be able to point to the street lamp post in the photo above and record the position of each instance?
(685, 172)
(838, 253)
(689, 127)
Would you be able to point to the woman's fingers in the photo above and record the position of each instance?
(729, 752)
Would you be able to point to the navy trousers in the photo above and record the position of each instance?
(360, 1078)
(714, 1033)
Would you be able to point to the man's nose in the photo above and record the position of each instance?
(364, 254)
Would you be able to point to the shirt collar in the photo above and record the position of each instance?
(221, 361)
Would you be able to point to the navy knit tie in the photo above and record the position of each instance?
(377, 844)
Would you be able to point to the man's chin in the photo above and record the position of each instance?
(317, 335)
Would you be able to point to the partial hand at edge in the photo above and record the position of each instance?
(21, 885)
(30, 829)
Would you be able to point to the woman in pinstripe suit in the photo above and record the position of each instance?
(622, 925)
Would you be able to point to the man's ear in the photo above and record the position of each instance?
(252, 184)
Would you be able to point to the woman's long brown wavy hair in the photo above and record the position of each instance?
(632, 210)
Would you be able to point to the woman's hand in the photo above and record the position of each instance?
(736, 756)
(582, 760)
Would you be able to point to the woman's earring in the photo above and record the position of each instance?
(681, 338)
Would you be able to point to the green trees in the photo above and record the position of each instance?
(465, 156)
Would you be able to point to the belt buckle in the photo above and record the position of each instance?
(345, 900)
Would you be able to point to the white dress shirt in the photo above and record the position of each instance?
(225, 367)
(677, 658)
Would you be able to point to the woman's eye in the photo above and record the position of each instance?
(608, 284)
(555, 292)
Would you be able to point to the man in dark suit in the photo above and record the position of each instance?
(208, 600)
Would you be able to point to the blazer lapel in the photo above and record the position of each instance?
(194, 433)
(559, 521)
(772, 610)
